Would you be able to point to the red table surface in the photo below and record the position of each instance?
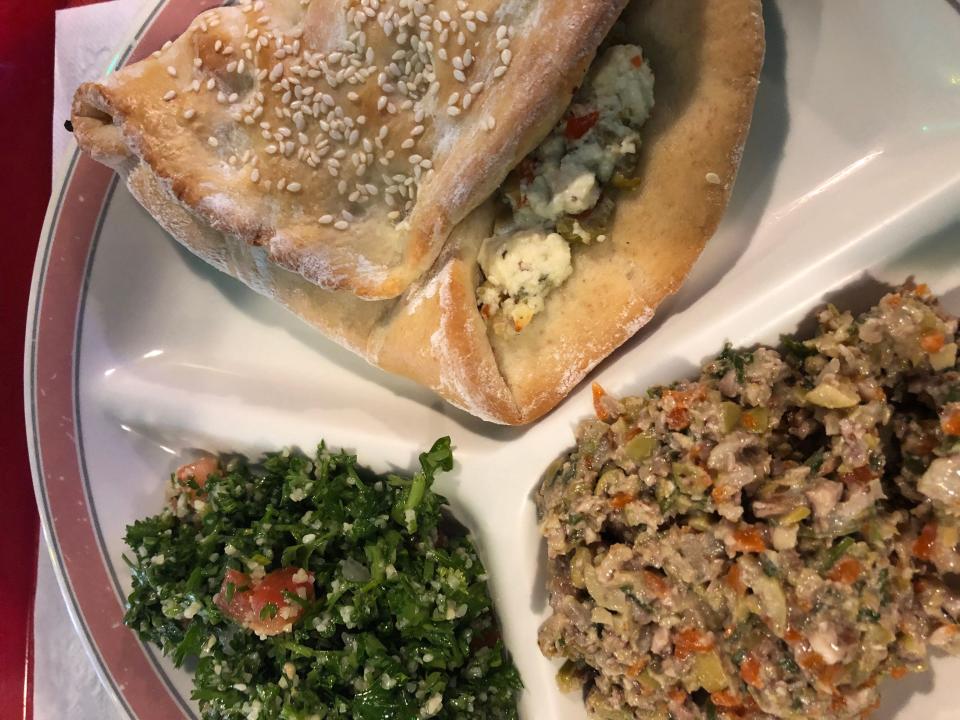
(26, 94)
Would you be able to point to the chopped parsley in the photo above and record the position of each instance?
(402, 627)
(732, 359)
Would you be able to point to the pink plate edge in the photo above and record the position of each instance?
(128, 669)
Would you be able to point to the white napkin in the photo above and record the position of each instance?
(65, 684)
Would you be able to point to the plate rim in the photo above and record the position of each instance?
(132, 47)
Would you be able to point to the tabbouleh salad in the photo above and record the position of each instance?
(771, 539)
(311, 589)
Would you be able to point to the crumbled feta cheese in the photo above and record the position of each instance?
(520, 270)
(571, 170)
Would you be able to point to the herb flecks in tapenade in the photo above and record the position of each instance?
(309, 588)
(770, 539)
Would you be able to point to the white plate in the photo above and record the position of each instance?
(138, 353)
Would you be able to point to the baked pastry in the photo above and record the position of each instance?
(346, 140)
(332, 158)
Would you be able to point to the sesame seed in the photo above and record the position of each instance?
(476, 88)
(255, 175)
(500, 71)
(189, 114)
(170, 95)
(458, 74)
(506, 56)
(212, 141)
(341, 224)
(294, 187)
(407, 144)
(712, 178)
(325, 219)
(171, 71)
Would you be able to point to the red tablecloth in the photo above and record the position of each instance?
(26, 94)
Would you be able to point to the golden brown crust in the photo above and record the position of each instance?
(706, 55)
(331, 105)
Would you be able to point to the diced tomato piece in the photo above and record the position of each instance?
(197, 472)
(678, 696)
(637, 61)
(265, 606)
(690, 641)
(621, 500)
(577, 127)
(923, 546)
(749, 540)
(234, 595)
(846, 571)
(527, 169)
(932, 341)
(750, 672)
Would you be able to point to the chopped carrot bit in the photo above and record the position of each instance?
(932, 341)
(923, 547)
(598, 395)
(678, 696)
(748, 540)
(861, 475)
(750, 672)
(637, 61)
(656, 583)
(792, 636)
(898, 672)
(950, 423)
(735, 580)
(621, 500)
(846, 571)
(678, 417)
(637, 667)
(722, 493)
(725, 699)
(894, 299)
(922, 290)
(691, 641)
